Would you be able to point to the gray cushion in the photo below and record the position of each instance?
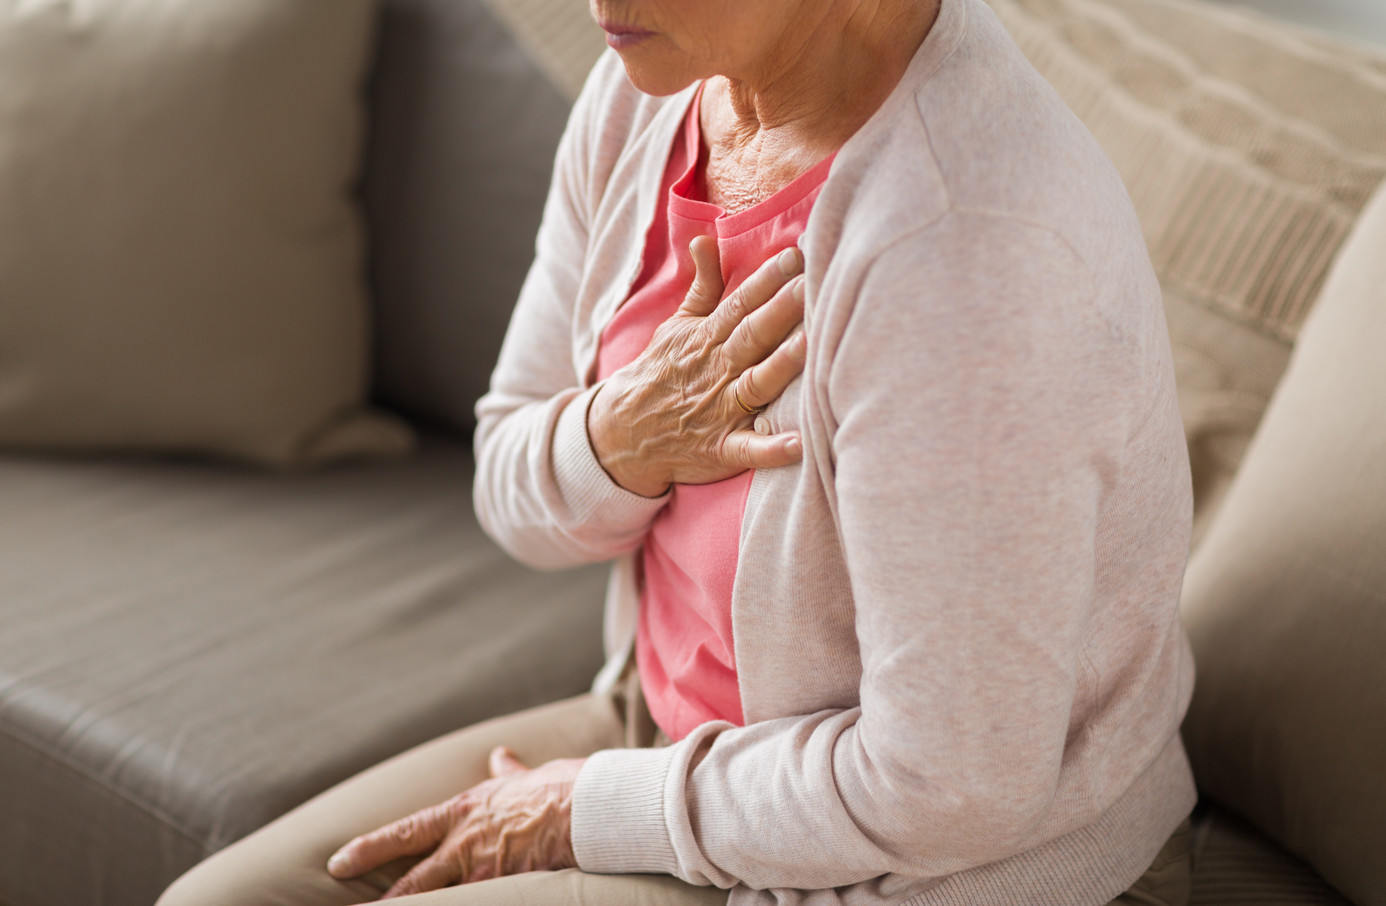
(189, 651)
(465, 127)
(180, 254)
(1236, 866)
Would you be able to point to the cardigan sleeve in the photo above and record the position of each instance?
(982, 398)
(539, 490)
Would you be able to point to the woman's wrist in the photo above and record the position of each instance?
(614, 448)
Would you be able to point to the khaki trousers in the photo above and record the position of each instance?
(284, 863)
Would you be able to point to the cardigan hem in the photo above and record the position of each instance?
(1090, 866)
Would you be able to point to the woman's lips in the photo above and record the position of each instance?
(620, 37)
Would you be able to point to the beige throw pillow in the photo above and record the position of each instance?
(1249, 147)
(181, 255)
(1285, 601)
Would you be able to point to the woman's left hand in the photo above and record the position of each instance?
(520, 820)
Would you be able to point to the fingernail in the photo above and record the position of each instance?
(793, 446)
(337, 864)
(799, 291)
(790, 262)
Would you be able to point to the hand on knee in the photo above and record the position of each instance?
(520, 820)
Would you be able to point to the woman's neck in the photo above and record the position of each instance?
(800, 102)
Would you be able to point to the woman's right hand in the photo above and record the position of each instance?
(672, 415)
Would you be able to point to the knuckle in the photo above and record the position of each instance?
(747, 338)
(404, 831)
(736, 307)
(753, 334)
(745, 454)
(750, 386)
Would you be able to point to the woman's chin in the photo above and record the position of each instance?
(652, 75)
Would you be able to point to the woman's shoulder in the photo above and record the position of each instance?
(975, 152)
(974, 126)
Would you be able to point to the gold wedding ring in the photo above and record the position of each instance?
(749, 410)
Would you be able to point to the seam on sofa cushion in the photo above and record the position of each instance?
(82, 771)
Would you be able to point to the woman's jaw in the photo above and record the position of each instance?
(655, 42)
(782, 52)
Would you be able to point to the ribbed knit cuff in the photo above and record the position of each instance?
(591, 495)
(618, 813)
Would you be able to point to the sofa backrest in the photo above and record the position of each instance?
(1249, 148)
(1246, 174)
(464, 126)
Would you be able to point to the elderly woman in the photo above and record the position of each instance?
(843, 343)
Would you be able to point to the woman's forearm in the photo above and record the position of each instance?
(540, 493)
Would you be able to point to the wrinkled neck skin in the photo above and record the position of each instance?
(794, 105)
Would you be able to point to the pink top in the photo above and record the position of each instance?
(684, 645)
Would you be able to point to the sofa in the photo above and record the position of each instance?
(238, 562)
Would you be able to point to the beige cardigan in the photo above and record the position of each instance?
(955, 622)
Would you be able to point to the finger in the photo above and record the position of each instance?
(766, 328)
(758, 289)
(503, 763)
(433, 873)
(707, 287)
(762, 384)
(749, 450)
(412, 836)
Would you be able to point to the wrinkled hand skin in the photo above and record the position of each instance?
(671, 415)
(520, 820)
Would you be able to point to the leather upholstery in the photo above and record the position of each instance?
(188, 651)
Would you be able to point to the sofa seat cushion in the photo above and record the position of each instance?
(189, 651)
(1234, 865)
